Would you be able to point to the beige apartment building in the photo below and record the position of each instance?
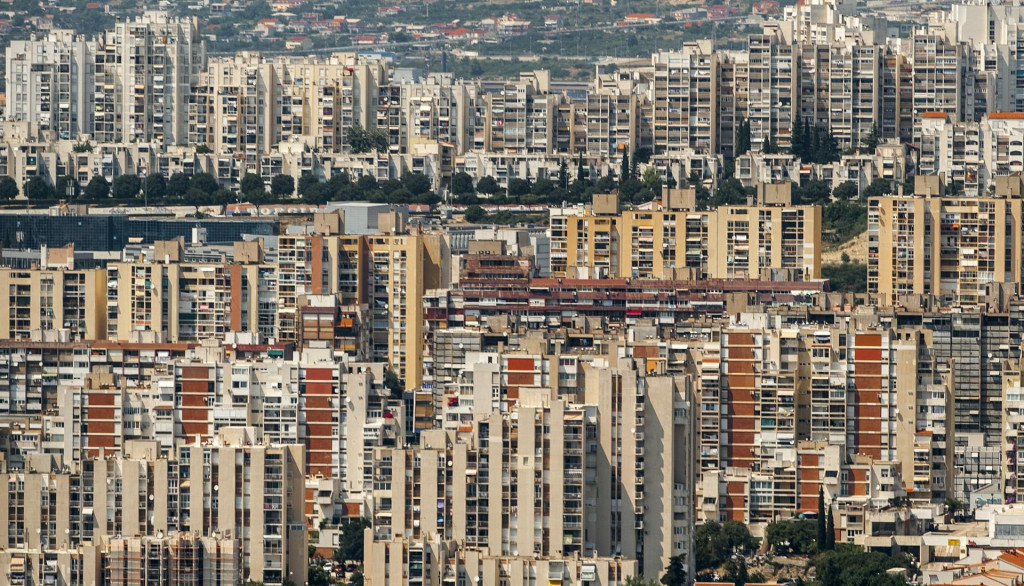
(675, 241)
(144, 70)
(537, 472)
(177, 560)
(38, 300)
(240, 499)
(953, 247)
(401, 268)
(685, 92)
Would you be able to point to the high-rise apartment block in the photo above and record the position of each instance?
(679, 242)
(953, 247)
(148, 86)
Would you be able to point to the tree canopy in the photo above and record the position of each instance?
(350, 542)
(716, 542)
(794, 536)
(849, 565)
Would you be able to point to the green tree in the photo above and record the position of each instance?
(542, 187)
(675, 572)
(282, 185)
(792, 536)
(830, 527)
(715, 542)
(624, 168)
(581, 171)
(350, 542)
(317, 576)
(821, 517)
(393, 383)
(955, 507)
(361, 140)
(729, 192)
(630, 190)
(487, 185)
(877, 188)
(563, 174)
(742, 137)
(851, 277)
(870, 142)
(358, 139)
(65, 187)
(462, 183)
(252, 185)
(518, 187)
(475, 214)
(154, 186)
(798, 140)
(356, 579)
(651, 180)
(204, 183)
(736, 571)
(37, 188)
(178, 184)
(829, 150)
(812, 192)
(847, 190)
(848, 565)
(8, 188)
(768, 147)
(307, 182)
(97, 188)
(417, 183)
(843, 220)
(126, 187)
(366, 183)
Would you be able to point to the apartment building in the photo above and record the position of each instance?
(520, 116)
(805, 405)
(939, 84)
(684, 96)
(678, 242)
(53, 299)
(612, 120)
(50, 82)
(1013, 416)
(401, 268)
(184, 560)
(114, 505)
(772, 90)
(952, 247)
(554, 506)
(144, 71)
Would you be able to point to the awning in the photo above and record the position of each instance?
(17, 564)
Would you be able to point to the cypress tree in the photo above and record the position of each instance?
(870, 142)
(815, 150)
(830, 531)
(796, 140)
(742, 137)
(624, 168)
(821, 518)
